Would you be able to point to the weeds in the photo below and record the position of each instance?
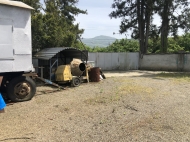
(136, 89)
(176, 76)
(127, 87)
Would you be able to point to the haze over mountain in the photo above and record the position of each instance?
(100, 41)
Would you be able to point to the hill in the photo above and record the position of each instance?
(100, 41)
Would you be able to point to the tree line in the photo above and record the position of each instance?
(175, 45)
(53, 25)
(138, 16)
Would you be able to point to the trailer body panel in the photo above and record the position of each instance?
(15, 39)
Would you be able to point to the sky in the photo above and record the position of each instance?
(97, 22)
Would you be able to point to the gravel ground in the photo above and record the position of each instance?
(140, 107)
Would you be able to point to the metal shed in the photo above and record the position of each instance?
(49, 59)
(15, 37)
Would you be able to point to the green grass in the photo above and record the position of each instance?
(177, 76)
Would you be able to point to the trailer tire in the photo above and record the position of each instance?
(21, 89)
(76, 81)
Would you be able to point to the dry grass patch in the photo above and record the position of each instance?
(175, 76)
(129, 87)
(126, 87)
(135, 89)
(103, 99)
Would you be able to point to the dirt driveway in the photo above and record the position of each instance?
(130, 73)
(145, 106)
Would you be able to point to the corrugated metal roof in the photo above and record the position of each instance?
(15, 3)
(48, 53)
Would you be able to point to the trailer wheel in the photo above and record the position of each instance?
(21, 89)
(76, 81)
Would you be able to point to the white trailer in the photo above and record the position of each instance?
(16, 51)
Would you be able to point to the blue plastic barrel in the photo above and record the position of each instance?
(2, 102)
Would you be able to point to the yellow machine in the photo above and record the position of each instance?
(63, 73)
(70, 73)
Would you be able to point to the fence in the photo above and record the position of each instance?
(165, 62)
(115, 61)
(131, 61)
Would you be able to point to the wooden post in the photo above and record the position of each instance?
(87, 77)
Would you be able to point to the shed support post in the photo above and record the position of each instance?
(50, 71)
(57, 60)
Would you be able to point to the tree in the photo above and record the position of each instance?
(184, 42)
(166, 5)
(37, 32)
(66, 11)
(123, 45)
(59, 30)
(53, 25)
(136, 16)
(171, 19)
(69, 10)
(36, 24)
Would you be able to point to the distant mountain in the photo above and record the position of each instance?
(100, 41)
